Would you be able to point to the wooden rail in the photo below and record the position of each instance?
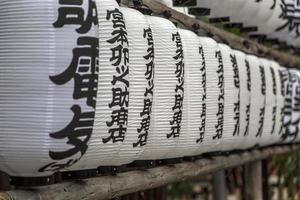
(244, 44)
(134, 181)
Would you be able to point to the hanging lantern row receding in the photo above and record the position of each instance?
(92, 84)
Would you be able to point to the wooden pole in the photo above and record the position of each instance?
(244, 44)
(219, 186)
(253, 181)
(125, 183)
(265, 179)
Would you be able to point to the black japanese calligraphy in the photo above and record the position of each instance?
(149, 75)
(72, 13)
(274, 92)
(262, 109)
(221, 98)
(117, 127)
(236, 108)
(179, 90)
(288, 15)
(84, 71)
(203, 84)
(77, 133)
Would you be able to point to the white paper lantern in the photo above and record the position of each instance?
(214, 119)
(230, 138)
(287, 88)
(166, 118)
(296, 108)
(193, 114)
(258, 99)
(270, 106)
(276, 137)
(235, 18)
(291, 107)
(141, 72)
(218, 9)
(247, 15)
(105, 144)
(265, 12)
(279, 23)
(43, 58)
(169, 3)
(245, 89)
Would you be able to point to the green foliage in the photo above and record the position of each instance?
(182, 190)
(286, 166)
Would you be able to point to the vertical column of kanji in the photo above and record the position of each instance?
(176, 122)
(231, 99)
(258, 94)
(245, 89)
(193, 91)
(279, 103)
(270, 106)
(111, 118)
(292, 108)
(168, 90)
(287, 90)
(202, 125)
(214, 95)
(297, 23)
(70, 142)
(141, 75)
(296, 105)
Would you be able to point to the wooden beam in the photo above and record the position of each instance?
(134, 181)
(244, 44)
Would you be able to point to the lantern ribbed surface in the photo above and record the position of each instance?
(258, 96)
(90, 87)
(245, 89)
(287, 90)
(214, 104)
(141, 74)
(193, 116)
(36, 93)
(103, 148)
(264, 14)
(251, 9)
(231, 98)
(270, 105)
(279, 104)
(235, 16)
(291, 121)
(161, 142)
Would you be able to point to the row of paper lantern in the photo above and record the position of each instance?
(79, 93)
(271, 19)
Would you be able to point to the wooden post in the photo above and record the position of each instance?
(253, 181)
(219, 186)
(265, 179)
